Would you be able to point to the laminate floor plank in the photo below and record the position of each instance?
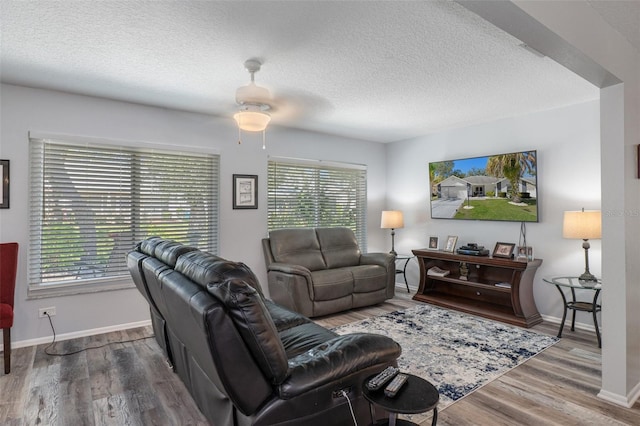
(129, 383)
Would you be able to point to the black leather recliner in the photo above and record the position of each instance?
(244, 359)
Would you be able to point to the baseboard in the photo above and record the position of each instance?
(76, 334)
(626, 401)
(579, 325)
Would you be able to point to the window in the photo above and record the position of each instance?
(92, 202)
(315, 193)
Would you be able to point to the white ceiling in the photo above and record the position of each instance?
(380, 71)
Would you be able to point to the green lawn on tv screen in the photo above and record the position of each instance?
(498, 209)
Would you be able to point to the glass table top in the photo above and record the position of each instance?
(574, 282)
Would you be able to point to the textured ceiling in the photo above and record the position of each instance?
(380, 71)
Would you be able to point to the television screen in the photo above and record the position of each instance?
(496, 187)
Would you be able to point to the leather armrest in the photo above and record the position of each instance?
(382, 259)
(288, 268)
(335, 359)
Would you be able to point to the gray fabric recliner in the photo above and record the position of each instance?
(319, 271)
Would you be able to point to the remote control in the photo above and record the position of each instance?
(382, 378)
(396, 384)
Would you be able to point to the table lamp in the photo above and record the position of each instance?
(584, 225)
(392, 219)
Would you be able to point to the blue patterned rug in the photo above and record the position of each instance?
(456, 352)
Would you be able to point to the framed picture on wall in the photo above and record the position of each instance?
(245, 191)
(4, 188)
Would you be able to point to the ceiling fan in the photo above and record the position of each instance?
(254, 102)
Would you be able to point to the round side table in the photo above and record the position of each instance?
(403, 271)
(416, 396)
(574, 305)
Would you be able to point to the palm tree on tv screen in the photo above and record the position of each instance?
(513, 167)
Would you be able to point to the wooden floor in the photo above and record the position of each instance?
(129, 384)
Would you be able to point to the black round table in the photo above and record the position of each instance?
(416, 396)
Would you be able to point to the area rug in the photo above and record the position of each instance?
(456, 352)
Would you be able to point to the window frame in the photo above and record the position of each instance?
(36, 289)
(361, 201)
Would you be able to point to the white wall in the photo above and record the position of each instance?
(567, 141)
(579, 25)
(27, 109)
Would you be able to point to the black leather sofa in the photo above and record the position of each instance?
(244, 359)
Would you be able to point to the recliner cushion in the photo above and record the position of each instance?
(339, 247)
(332, 283)
(301, 338)
(205, 268)
(169, 251)
(251, 318)
(368, 278)
(298, 247)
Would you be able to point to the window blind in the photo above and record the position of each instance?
(314, 194)
(91, 203)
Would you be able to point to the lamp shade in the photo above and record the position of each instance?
(584, 225)
(252, 121)
(392, 219)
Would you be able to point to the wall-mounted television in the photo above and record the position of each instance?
(500, 187)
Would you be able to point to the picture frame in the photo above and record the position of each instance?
(521, 253)
(4, 188)
(245, 192)
(433, 243)
(451, 243)
(504, 250)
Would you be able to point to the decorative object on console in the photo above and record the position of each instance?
(524, 253)
(253, 101)
(464, 271)
(584, 225)
(504, 185)
(4, 185)
(451, 243)
(392, 219)
(473, 249)
(503, 250)
(433, 243)
(437, 272)
(245, 191)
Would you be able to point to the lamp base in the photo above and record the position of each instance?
(587, 276)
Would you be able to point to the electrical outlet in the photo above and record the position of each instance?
(51, 311)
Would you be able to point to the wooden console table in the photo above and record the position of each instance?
(510, 301)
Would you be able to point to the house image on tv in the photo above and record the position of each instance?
(456, 188)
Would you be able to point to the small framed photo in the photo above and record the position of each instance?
(451, 243)
(504, 250)
(433, 243)
(4, 188)
(245, 191)
(524, 253)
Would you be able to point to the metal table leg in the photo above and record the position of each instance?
(564, 314)
(595, 318)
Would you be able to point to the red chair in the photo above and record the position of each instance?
(8, 268)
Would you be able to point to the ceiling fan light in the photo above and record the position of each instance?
(252, 121)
